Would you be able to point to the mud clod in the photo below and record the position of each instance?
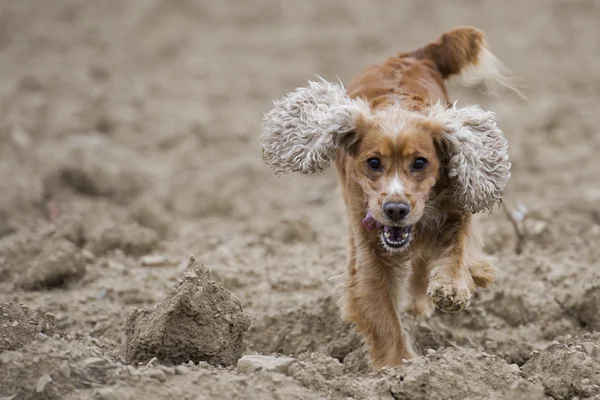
(452, 374)
(569, 369)
(20, 325)
(198, 320)
(317, 327)
(59, 263)
(97, 167)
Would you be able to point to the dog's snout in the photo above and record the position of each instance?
(396, 210)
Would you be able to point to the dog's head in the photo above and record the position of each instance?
(396, 155)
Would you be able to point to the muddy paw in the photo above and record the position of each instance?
(449, 297)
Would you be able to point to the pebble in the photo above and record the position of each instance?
(153, 260)
(93, 361)
(588, 347)
(190, 275)
(253, 362)
(514, 368)
(105, 393)
(491, 344)
(64, 370)
(42, 382)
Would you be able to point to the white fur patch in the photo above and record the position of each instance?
(396, 186)
(490, 72)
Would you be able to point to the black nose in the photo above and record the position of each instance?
(396, 211)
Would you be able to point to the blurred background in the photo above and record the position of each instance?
(132, 129)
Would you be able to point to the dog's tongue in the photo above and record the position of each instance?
(369, 222)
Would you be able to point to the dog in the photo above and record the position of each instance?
(413, 168)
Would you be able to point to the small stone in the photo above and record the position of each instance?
(181, 370)
(253, 362)
(491, 344)
(88, 255)
(588, 347)
(585, 381)
(157, 374)
(190, 275)
(153, 260)
(514, 368)
(93, 361)
(107, 393)
(42, 382)
(64, 370)
(431, 352)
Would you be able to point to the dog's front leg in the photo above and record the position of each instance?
(371, 301)
(451, 279)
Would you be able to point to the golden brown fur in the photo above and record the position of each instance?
(443, 264)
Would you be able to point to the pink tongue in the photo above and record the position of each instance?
(369, 222)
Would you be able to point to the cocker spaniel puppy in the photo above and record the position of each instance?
(414, 168)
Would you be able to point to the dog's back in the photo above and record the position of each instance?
(418, 76)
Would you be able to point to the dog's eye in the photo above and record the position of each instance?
(419, 163)
(374, 163)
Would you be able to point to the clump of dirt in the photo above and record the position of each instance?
(59, 263)
(289, 230)
(198, 320)
(49, 368)
(453, 374)
(93, 165)
(55, 255)
(20, 325)
(568, 370)
(316, 370)
(520, 390)
(127, 236)
(582, 302)
(316, 327)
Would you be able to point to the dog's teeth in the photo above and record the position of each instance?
(404, 235)
(387, 234)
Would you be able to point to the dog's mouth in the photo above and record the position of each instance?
(393, 237)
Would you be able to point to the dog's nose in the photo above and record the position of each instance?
(396, 211)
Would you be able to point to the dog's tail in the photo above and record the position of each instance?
(464, 52)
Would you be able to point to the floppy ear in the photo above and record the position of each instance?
(304, 129)
(475, 155)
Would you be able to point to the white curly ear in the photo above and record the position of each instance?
(476, 156)
(303, 130)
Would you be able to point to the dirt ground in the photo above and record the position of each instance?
(129, 141)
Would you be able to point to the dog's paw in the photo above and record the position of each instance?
(450, 297)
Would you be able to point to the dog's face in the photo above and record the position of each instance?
(396, 166)
(396, 155)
